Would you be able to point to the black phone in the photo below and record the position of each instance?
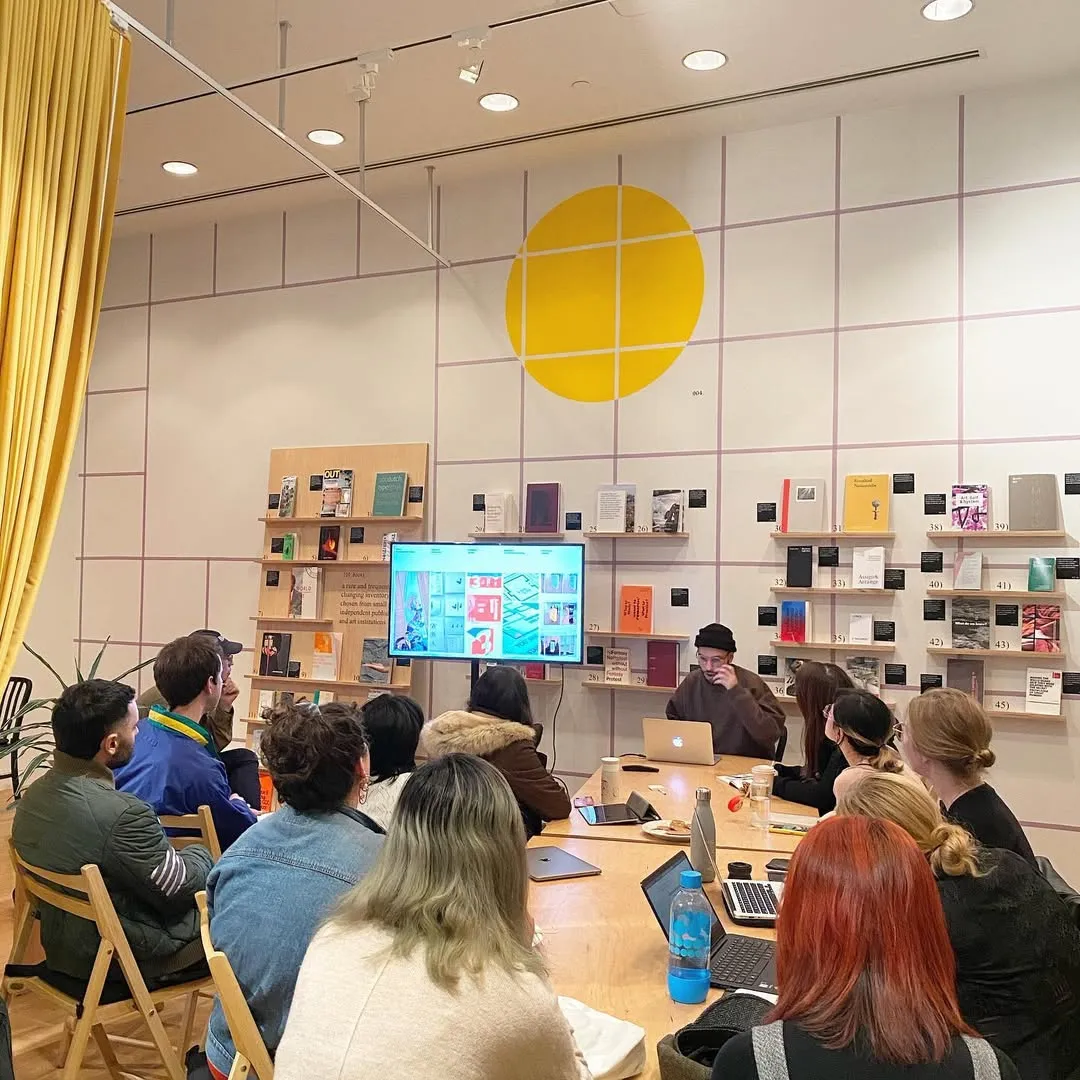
(640, 768)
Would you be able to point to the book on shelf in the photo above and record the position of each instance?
(615, 508)
(866, 502)
(860, 628)
(1033, 502)
(500, 512)
(667, 510)
(800, 566)
(796, 621)
(970, 507)
(617, 665)
(791, 669)
(289, 546)
(388, 541)
(542, 505)
(802, 506)
(662, 663)
(337, 488)
(326, 655)
(1043, 693)
(865, 673)
(274, 654)
(965, 675)
(287, 498)
(534, 672)
(322, 697)
(388, 498)
(868, 568)
(304, 595)
(329, 543)
(1041, 573)
(970, 623)
(635, 609)
(967, 570)
(1040, 628)
(376, 665)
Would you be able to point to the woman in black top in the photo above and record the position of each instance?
(1017, 948)
(816, 687)
(946, 740)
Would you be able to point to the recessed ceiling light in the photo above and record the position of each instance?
(326, 137)
(704, 60)
(946, 10)
(499, 102)
(180, 168)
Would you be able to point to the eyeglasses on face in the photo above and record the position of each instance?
(713, 661)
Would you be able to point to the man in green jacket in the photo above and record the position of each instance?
(74, 815)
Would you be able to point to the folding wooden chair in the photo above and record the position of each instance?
(251, 1053)
(84, 895)
(201, 822)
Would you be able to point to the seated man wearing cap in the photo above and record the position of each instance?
(745, 717)
(241, 764)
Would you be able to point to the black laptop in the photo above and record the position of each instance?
(736, 962)
(634, 811)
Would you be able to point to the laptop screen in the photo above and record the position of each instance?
(660, 888)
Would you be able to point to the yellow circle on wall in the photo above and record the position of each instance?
(605, 293)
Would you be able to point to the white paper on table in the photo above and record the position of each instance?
(614, 1049)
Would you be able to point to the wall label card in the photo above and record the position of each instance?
(356, 534)
(1007, 614)
(277, 545)
(884, 630)
(1068, 568)
(903, 483)
(766, 616)
(573, 521)
(933, 610)
(272, 578)
(478, 503)
(929, 682)
(416, 493)
(294, 669)
(1070, 682)
(934, 505)
(932, 562)
(697, 499)
(315, 482)
(896, 674)
(273, 500)
(894, 578)
(828, 556)
(766, 665)
(680, 597)
(1072, 483)
(766, 511)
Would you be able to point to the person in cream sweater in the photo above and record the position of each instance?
(427, 967)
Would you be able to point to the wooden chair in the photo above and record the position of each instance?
(85, 896)
(201, 822)
(251, 1052)
(16, 694)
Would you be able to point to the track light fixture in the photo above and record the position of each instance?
(472, 41)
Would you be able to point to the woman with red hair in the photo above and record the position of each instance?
(865, 971)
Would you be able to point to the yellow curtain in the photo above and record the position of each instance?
(63, 91)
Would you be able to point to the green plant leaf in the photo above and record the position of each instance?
(32, 706)
(45, 663)
(132, 670)
(31, 742)
(97, 660)
(78, 671)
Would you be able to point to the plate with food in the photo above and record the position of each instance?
(672, 831)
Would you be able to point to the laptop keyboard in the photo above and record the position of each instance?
(754, 897)
(741, 960)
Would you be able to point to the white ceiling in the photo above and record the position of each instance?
(627, 51)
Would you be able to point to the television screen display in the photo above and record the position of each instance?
(511, 602)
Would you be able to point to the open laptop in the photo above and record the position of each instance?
(636, 810)
(685, 742)
(736, 962)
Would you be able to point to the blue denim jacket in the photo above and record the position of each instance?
(268, 895)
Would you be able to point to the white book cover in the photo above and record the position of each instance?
(611, 510)
(868, 568)
(266, 701)
(861, 628)
(325, 655)
(499, 512)
(310, 592)
(1043, 692)
(617, 666)
(967, 570)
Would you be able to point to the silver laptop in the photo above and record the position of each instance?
(552, 864)
(685, 742)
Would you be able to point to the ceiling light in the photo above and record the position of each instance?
(946, 10)
(326, 137)
(471, 73)
(499, 102)
(180, 168)
(704, 60)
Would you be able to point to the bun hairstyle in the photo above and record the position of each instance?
(951, 728)
(952, 850)
(868, 724)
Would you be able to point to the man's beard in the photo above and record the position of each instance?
(122, 756)
(712, 677)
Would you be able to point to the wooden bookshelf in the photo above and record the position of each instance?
(271, 563)
(590, 685)
(636, 536)
(519, 537)
(1020, 714)
(839, 535)
(831, 590)
(275, 682)
(995, 534)
(820, 646)
(998, 594)
(787, 699)
(636, 636)
(292, 620)
(1001, 654)
(283, 522)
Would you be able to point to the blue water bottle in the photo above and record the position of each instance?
(689, 942)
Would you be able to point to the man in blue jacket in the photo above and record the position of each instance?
(176, 767)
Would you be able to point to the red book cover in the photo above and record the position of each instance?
(795, 621)
(534, 671)
(1041, 628)
(785, 506)
(663, 663)
(542, 508)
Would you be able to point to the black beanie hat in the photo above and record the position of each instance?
(715, 636)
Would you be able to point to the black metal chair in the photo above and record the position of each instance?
(16, 695)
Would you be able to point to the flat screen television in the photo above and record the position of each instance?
(509, 602)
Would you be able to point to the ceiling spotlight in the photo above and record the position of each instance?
(471, 73)
(326, 137)
(179, 168)
(704, 60)
(499, 102)
(946, 10)
(472, 41)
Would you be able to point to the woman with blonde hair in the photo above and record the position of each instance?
(427, 967)
(946, 740)
(1017, 949)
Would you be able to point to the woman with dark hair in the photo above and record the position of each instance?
(393, 724)
(864, 728)
(816, 688)
(497, 725)
(865, 971)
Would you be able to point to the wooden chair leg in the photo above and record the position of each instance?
(64, 1046)
(81, 1035)
(77, 1048)
(241, 1068)
(189, 1024)
(105, 1049)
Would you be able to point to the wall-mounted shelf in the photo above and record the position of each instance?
(309, 624)
(833, 535)
(277, 682)
(820, 646)
(637, 636)
(274, 563)
(636, 536)
(998, 594)
(787, 699)
(520, 537)
(995, 534)
(283, 521)
(1002, 654)
(831, 591)
(1019, 714)
(628, 686)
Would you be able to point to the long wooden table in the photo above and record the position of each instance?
(680, 783)
(603, 944)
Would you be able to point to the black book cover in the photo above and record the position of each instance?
(800, 566)
(274, 654)
(329, 543)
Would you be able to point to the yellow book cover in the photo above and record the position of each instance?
(866, 502)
